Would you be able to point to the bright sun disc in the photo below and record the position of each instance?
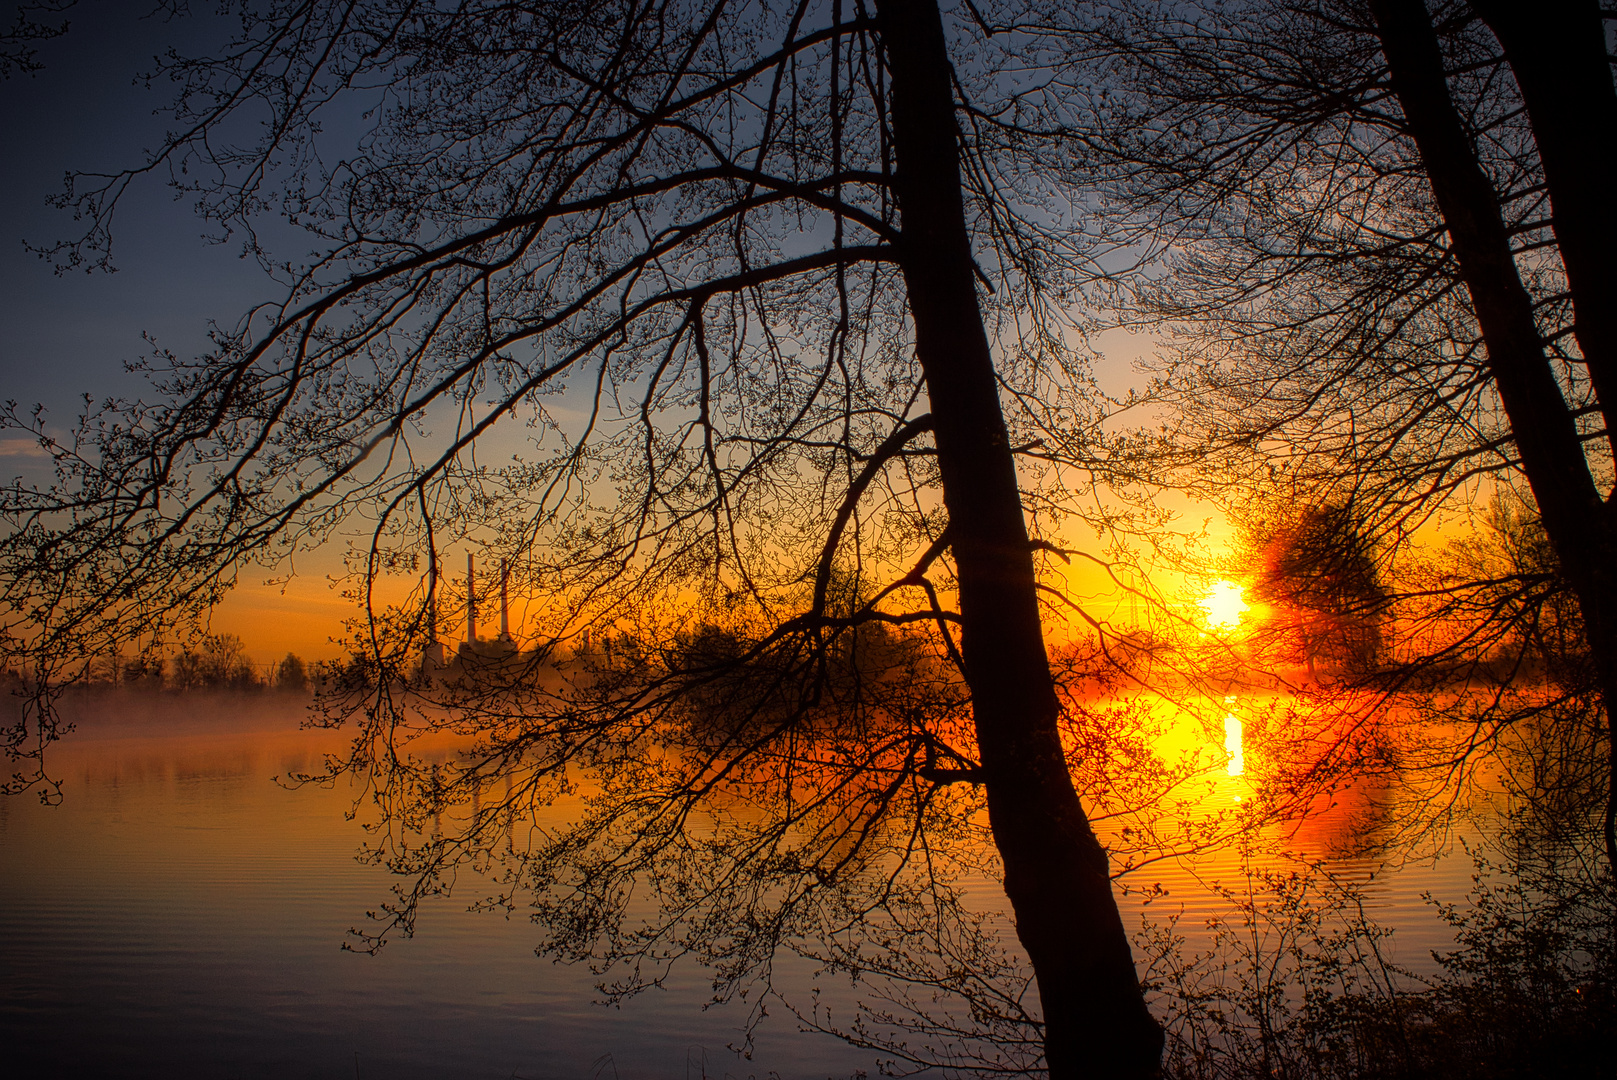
(1224, 605)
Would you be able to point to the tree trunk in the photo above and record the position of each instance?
(1056, 873)
(1576, 518)
(1557, 52)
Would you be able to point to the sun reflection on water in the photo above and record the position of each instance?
(1232, 745)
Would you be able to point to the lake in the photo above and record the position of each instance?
(181, 913)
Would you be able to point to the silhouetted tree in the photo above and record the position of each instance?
(740, 267)
(145, 671)
(291, 674)
(1387, 256)
(1318, 570)
(218, 662)
(1538, 606)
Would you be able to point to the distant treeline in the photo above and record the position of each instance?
(217, 662)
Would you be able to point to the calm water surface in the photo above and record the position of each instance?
(181, 914)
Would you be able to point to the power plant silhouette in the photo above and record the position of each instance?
(473, 651)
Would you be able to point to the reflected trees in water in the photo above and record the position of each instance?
(731, 796)
(1378, 291)
(683, 309)
(742, 335)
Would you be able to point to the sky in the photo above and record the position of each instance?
(71, 334)
(68, 334)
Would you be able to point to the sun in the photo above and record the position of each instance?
(1224, 605)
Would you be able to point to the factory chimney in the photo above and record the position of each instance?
(432, 599)
(471, 601)
(505, 616)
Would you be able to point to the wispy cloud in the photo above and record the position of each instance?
(22, 448)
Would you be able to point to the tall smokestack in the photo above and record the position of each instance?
(471, 601)
(432, 598)
(505, 615)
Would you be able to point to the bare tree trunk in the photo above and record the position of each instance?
(1578, 520)
(1056, 872)
(1557, 52)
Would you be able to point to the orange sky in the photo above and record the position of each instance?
(304, 614)
(272, 620)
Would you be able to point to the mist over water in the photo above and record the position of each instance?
(182, 913)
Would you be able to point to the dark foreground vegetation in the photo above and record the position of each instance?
(775, 314)
(1297, 984)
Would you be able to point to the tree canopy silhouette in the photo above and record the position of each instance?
(735, 330)
(1386, 268)
(680, 307)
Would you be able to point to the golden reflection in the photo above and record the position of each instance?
(1232, 745)
(1224, 605)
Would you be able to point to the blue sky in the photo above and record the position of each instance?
(70, 334)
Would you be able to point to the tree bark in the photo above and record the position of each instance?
(1576, 518)
(1056, 872)
(1557, 52)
